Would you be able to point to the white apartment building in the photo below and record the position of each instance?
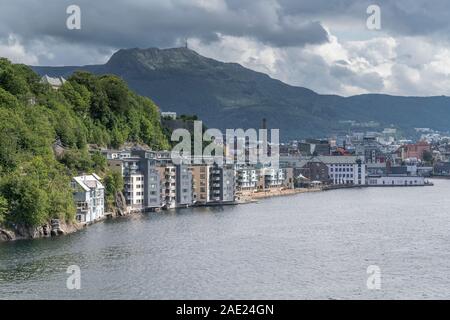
(134, 183)
(89, 195)
(273, 178)
(247, 179)
(134, 190)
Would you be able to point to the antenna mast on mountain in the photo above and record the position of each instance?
(186, 43)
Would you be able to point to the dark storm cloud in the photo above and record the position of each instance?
(157, 23)
(269, 34)
(112, 24)
(399, 17)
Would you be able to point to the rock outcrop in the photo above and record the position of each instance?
(6, 235)
(120, 205)
(56, 227)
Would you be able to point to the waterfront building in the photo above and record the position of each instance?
(377, 168)
(345, 170)
(134, 180)
(246, 179)
(313, 169)
(168, 176)
(141, 179)
(395, 181)
(89, 195)
(152, 183)
(289, 179)
(271, 178)
(222, 184)
(184, 191)
(200, 181)
(151, 180)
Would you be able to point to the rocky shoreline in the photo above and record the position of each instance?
(51, 229)
(56, 227)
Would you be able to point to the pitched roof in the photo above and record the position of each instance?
(57, 82)
(89, 182)
(337, 159)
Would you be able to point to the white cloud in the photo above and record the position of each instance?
(12, 49)
(318, 44)
(383, 64)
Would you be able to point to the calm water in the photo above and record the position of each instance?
(315, 245)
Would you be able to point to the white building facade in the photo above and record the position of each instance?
(345, 170)
(273, 177)
(395, 181)
(247, 179)
(89, 196)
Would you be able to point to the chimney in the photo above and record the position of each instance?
(264, 123)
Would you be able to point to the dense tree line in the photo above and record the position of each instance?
(86, 110)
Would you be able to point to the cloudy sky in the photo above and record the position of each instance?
(323, 45)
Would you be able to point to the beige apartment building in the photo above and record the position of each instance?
(200, 177)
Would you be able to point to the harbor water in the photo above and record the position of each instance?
(307, 246)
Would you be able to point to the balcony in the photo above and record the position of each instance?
(82, 207)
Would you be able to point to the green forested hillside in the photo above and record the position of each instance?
(88, 109)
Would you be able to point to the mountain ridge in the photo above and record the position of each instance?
(228, 95)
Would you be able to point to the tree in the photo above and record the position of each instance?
(8, 100)
(427, 156)
(78, 96)
(77, 160)
(113, 184)
(3, 209)
(35, 176)
(12, 82)
(99, 161)
(117, 92)
(29, 203)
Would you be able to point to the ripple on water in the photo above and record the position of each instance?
(316, 245)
